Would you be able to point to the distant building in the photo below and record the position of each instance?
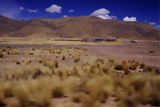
(110, 40)
(99, 39)
(134, 41)
(129, 42)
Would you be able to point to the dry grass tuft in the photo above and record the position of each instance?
(1, 55)
(76, 59)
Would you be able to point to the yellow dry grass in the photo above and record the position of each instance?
(48, 77)
(32, 40)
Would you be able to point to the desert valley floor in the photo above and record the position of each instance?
(81, 75)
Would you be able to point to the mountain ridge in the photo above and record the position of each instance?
(82, 26)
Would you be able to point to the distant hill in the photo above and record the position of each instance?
(83, 27)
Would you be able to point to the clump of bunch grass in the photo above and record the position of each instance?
(76, 98)
(34, 92)
(151, 51)
(84, 49)
(33, 49)
(51, 64)
(18, 62)
(57, 92)
(28, 62)
(138, 89)
(157, 70)
(99, 88)
(121, 66)
(40, 61)
(76, 59)
(133, 65)
(31, 53)
(1, 55)
(56, 64)
(148, 69)
(63, 58)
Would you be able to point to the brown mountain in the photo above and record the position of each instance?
(83, 26)
(8, 25)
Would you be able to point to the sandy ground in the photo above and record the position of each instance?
(121, 52)
(137, 53)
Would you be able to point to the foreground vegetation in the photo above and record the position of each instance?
(83, 83)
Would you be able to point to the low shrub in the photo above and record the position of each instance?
(56, 65)
(76, 99)
(34, 92)
(40, 61)
(18, 62)
(118, 67)
(63, 58)
(76, 59)
(1, 55)
(151, 51)
(31, 53)
(57, 92)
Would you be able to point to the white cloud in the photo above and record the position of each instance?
(155, 25)
(29, 10)
(158, 27)
(130, 19)
(32, 10)
(152, 23)
(101, 11)
(103, 14)
(21, 8)
(54, 9)
(71, 10)
(106, 17)
(65, 16)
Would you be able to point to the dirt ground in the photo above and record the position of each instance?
(28, 57)
(138, 53)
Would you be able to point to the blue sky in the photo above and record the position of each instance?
(126, 10)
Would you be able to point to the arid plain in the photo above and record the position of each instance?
(78, 74)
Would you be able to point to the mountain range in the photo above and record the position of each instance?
(77, 27)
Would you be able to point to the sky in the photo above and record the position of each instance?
(125, 10)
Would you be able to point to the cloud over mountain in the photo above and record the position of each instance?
(103, 14)
(54, 9)
(130, 19)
